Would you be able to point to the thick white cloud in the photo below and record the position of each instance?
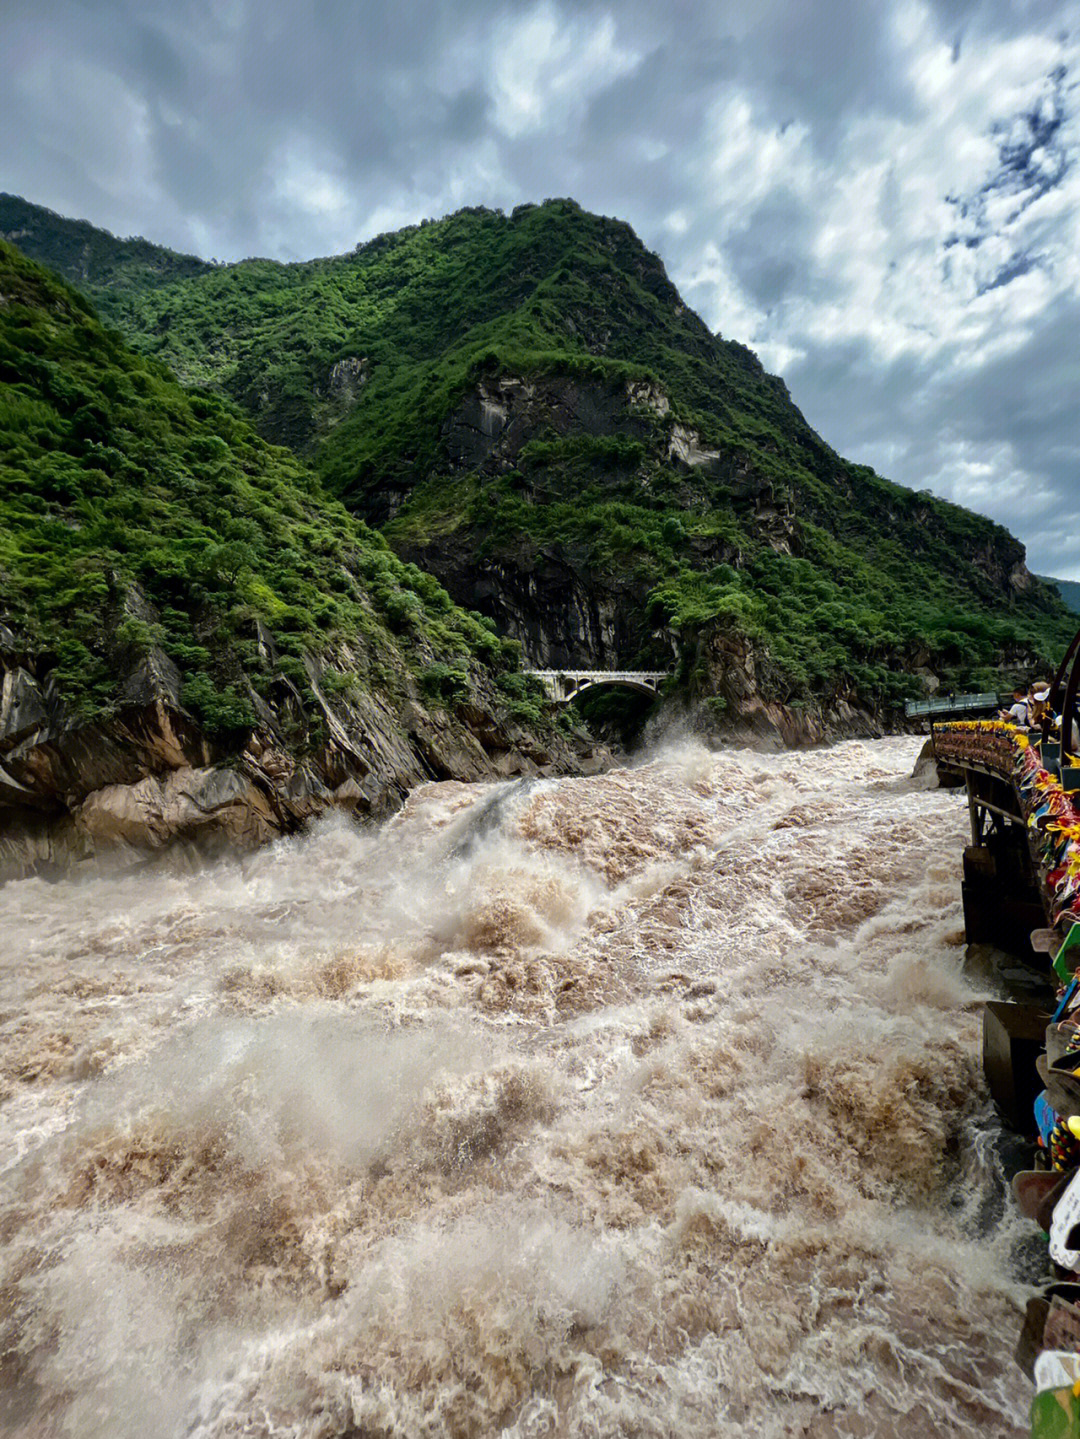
(883, 200)
(546, 65)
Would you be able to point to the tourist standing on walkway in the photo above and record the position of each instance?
(1020, 710)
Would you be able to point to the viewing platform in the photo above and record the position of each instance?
(1022, 866)
(1021, 895)
(942, 706)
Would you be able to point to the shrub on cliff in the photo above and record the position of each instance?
(136, 516)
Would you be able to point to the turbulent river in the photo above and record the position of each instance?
(646, 1104)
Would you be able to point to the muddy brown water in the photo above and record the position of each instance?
(646, 1104)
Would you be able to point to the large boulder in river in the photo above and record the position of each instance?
(218, 808)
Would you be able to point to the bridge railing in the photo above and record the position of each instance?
(952, 704)
(641, 675)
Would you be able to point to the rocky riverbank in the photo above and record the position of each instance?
(146, 776)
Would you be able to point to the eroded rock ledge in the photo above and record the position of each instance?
(736, 696)
(146, 777)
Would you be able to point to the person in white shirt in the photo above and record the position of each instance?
(1019, 710)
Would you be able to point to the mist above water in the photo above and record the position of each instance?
(644, 1104)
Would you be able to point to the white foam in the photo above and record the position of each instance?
(641, 1103)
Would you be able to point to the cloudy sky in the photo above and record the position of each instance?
(881, 197)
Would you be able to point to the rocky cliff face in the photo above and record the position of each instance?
(536, 472)
(198, 647)
(511, 433)
(729, 697)
(147, 777)
(546, 594)
(491, 429)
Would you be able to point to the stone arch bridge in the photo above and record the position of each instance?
(565, 685)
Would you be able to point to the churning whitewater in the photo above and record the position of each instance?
(646, 1104)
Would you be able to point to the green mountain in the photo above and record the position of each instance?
(1069, 590)
(89, 257)
(527, 408)
(178, 594)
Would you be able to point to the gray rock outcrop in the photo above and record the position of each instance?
(550, 596)
(144, 776)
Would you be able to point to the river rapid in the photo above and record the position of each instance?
(647, 1104)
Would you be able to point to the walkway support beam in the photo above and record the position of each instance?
(1003, 895)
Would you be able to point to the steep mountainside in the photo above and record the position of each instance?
(89, 257)
(531, 412)
(194, 640)
(1069, 590)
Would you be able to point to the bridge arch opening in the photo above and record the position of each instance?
(613, 703)
(616, 711)
(591, 686)
(562, 685)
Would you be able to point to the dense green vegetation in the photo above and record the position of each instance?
(138, 515)
(429, 307)
(842, 580)
(87, 256)
(1069, 590)
(851, 608)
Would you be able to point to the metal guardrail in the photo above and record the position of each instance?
(952, 704)
(600, 675)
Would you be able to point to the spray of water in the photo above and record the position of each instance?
(645, 1104)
